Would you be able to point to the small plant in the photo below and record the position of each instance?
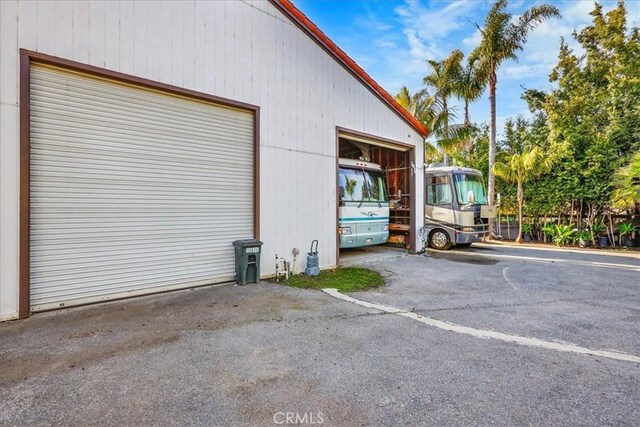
(549, 231)
(626, 229)
(526, 232)
(597, 229)
(584, 237)
(563, 234)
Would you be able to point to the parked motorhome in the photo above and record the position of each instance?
(456, 209)
(364, 205)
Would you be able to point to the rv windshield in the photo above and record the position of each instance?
(467, 183)
(361, 185)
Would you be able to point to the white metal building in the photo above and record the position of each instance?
(139, 139)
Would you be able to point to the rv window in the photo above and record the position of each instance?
(438, 190)
(467, 183)
(362, 185)
(375, 186)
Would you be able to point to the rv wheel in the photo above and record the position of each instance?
(439, 239)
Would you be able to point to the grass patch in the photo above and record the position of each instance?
(344, 279)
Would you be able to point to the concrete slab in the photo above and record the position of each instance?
(370, 254)
(248, 355)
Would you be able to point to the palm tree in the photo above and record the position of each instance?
(447, 138)
(414, 104)
(502, 37)
(470, 85)
(627, 182)
(520, 168)
(443, 79)
(436, 118)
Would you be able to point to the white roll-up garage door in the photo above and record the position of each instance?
(133, 190)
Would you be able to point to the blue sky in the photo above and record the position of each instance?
(391, 39)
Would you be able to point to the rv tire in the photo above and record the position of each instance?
(439, 239)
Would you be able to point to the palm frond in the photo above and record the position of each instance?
(627, 182)
(521, 167)
(503, 171)
(416, 103)
(431, 151)
(528, 21)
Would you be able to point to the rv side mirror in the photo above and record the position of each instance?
(399, 194)
(341, 191)
(471, 197)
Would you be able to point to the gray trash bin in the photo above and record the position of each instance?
(247, 260)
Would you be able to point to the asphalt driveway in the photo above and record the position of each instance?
(253, 355)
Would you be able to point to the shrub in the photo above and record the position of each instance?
(584, 235)
(597, 228)
(564, 234)
(626, 229)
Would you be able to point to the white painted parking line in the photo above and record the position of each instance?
(524, 246)
(481, 333)
(504, 274)
(631, 267)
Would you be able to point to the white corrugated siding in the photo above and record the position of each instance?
(132, 190)
(242, 50)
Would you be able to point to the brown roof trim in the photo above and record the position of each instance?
(131, 79)
(342, 131)
(312, 30)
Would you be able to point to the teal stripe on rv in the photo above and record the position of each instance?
(381, 218)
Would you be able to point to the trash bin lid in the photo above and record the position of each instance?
(247, 242)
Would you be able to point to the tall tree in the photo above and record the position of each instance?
(470, 84)
(502, 38)
(519, 169)
(594, 110)
(443, 79)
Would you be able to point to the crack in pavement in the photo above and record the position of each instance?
(292, 320)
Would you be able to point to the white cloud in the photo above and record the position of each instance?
(432, 24)
(385, 43)
(371, 22)
(521, 71)
(411, 62)
(416, 46)
(578, 12)
(473, 40)
(515, 5)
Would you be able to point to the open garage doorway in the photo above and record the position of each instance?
(376, 197)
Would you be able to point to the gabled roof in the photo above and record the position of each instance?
(304, 23)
